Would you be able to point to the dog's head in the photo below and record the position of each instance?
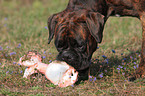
(76, 36)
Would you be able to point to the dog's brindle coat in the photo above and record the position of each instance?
(79, 28)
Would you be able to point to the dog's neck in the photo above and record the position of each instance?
(105, 7)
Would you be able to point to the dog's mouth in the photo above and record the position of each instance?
(78, 60)
(70, 57)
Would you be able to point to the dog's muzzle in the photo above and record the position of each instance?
(71, 57)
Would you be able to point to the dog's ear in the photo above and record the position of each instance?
(52, 21)
(95, 23)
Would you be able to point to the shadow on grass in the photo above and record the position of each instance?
(107, 66)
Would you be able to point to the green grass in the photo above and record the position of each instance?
(22, 28)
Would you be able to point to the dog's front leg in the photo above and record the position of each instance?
(141, 70)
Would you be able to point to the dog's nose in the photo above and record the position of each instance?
(68, 56)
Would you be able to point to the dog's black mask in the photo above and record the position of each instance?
(76, 36)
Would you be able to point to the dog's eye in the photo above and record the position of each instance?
(61, 45)
(82, 46)
(83, 22)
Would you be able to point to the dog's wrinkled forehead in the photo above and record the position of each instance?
(71, 24)
(75, 16)
(76, 22)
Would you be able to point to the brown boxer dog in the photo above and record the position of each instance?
(79, 28)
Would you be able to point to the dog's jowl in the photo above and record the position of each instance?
(79, 28)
